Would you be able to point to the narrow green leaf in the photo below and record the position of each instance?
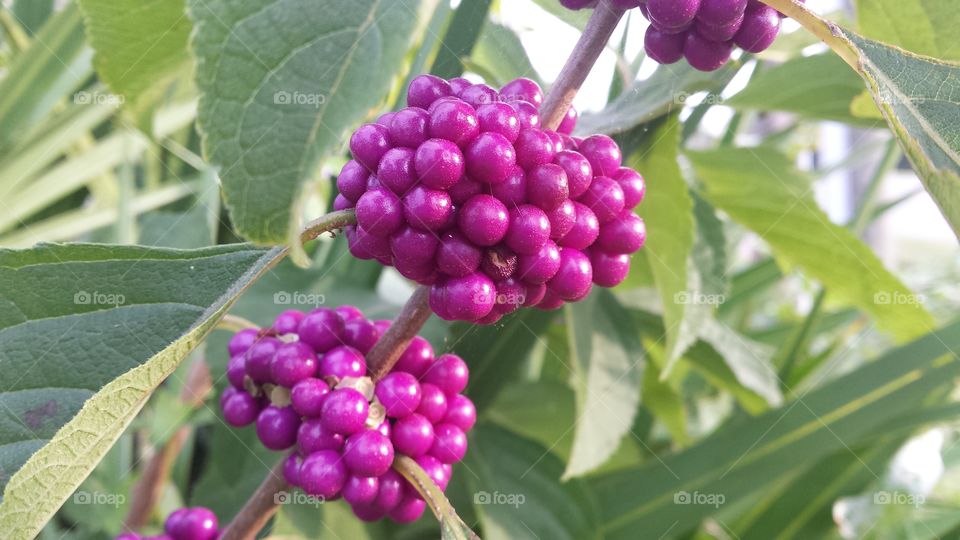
(280, 82)
(927, 27)
(577, 19)
(664, 403)
(760, 189)
(668, 214)
(820, 87)
(672, 494)
(31, 14)
(451, 526)
(460, 38)
(128, 315)
(500, 53)
(607, 371)
(137, 44)
(517, 491)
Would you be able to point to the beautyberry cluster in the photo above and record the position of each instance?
(197, 523)
(463, 191)
(304, 382)
(702, 31)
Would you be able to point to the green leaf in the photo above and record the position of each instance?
(31, 14)
(460, 38)
(517, 492)
(137, 44)
(747, 457)
(577, 19)
(664, 402)
(607, 370)
(280, 82)
(55, 64)
(665, 91)
(500, 53)
(709, 255)
(760, 189)
(927, 27)
(821, 87)
(124, 317)
(667, 212)
(750, 362)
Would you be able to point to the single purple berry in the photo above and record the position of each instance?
(433, 404)
(529, 228)
(456, 256)
(625, 234)
(277, 427)
(706, 55)
(321, 329)
(490, 158)
(720, 12)
(352, 181)
(368, 453)
(573, 280)
(416, 358)
(522, 89)
(483, 220)
(458, 85)
(461, 413)
(534, 148)
(609, 270)
(341, 203)
(449, 373)
(385, 118)
(313, 437)
(547, 186)
(435, 469)
(633, 186)
(344, 411)
(477, 95)
(528, 114)
(242, 341)
(425, 89)
(408, 510)
(292, 363)
(605, 197)
(465, 298)
(556, 139)
(239, 408)
(342, 361)
(396, 172)
(449, 443)
(663, 47)
(412, 435)
(288, 321)
(399, 392)
(391, 490)
(511, 294)
(414, 244)
(349, 313)
(499, 118)
(369, 143)
(361, 335)
(539, 267)
(306, 397)
(439, 163)
(562, 219)
(585, 229)
(237, 371)
(498, 263)
(672, 14)
(366, 246)
(569, 121)
(323, 474)
(603, 154)
(291, 469)
(423, 272)
(427, 209)
(455, 121)
(409, 126)
(535, 293)
(465, 188)
(719, 33)
(513, 190)
(760, 27)
(360, 489)
(260, 357)
(578, 170)
(196, 523)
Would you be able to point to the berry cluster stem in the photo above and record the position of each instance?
(388, 349)
(595, 37)
(259, 508)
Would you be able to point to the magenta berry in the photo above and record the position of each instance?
(396, 173)
(426, 89)
(672, 14)
(478, 95)
(242, 341)
(260, 358)
(540, 267)
(344, 411)
(513, 190)
(605, 198)
(399, 392)
(456, 256)
(306, 397)
(408, 510)
(562, 219)
(412, 435)
(534, 148)
(707, 55)
(427, 209)
(368, 453)
(523, 89)
(277, 427)
(292, 363)
(760, 27)
(449, 443)
(288, 321)
(449, 373)
(609, 270)
(321, 329)
(500, 118)
(342, 361)
(409, 127)
(239, 408)
(528, 114)
(323, 474)
(465, 298)
(195, 523)
(625, 234)
(633, 186)
(313, 437)
(490, 158)
(529, 229)
(484, 220)
(455, 121)
(547, 186)
(573, 280)
(461, 413)
(390, 491)
(433, 404)
(369, 143)
(439, 163)
(665, 48)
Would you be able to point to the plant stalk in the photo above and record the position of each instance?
(259, 508)
(384, 355)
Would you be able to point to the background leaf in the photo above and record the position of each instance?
(927, 27)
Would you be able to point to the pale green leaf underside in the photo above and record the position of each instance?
(86, 334)
(137, 42)
(760, 189)
(926, 27)
(281, 81)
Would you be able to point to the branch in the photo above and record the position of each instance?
(259, 508)
(595, 36)
(327, 223)
(388, 349)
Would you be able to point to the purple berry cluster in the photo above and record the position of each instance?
(702, 31)
(304, 382)
(197, 523)
(464, 191)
